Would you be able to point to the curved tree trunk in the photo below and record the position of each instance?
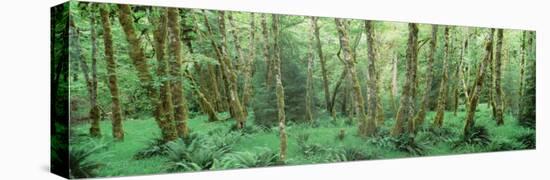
(478, 86)
(167, 127)
(365, 128)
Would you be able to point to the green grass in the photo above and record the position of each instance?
(118, 158)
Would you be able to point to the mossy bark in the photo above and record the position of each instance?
(279, 90)
(406, 108)
(267, 55)
(247, 79)
(309, 80)
(364, 127)
(478, 86)
(137, 55)
(322, 61)
(421, 115)
(176, 79)
(116, 115)
(444, 84)
(499, 105)
(373, 97)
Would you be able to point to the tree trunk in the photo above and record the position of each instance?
(421, 115)
(137, 55)
(394, 82)
(528, 106)
(176, 79)
(478, 86)
(91, 82)
(280, 92)
(406, 107)
(231, 77)
(309, 80)
(118, 132)
(497, 76)
(247, 87)
(365, 126)
(372, 99)
(322, 61)
(267, 55)
(443, 86)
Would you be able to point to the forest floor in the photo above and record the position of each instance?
(306, 143)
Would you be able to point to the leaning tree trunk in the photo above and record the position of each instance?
(176, 79)
(118, 132)
(366, 128)
(443, 86)
(478, 86)
(137, 55)
(421, 115)
(406, 107)
(231, 77)
(92, 91)
(322, 61)
(280, 92)
(497, 76)
(373, 100)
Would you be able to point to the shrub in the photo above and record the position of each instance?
(529, 140)
(156, 147)
(265, 157)
(505, 144)
(408, 144)
(308, 149)
(197, 155)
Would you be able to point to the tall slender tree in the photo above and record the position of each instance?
(116, 115)
(406, 107)
(478, 86)
(421, 115)
(444, 85)
(373, 97)
(279, 89)
(497, 76)
(322, 61)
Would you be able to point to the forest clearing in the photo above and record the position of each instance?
(156, 89)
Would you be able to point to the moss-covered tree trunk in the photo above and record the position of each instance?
(421, 115)
(319, 48)
(247, 79)
(528, 103)
(478, 86)
(231, 77)
(176, 76)
(499, 105)
(366, 127)
(406, 107)
(279, 89)
(267, 55)
(309, 80)
(137, 56)
(116, 115)
(373, 97)
(91, 79)
(444, 85)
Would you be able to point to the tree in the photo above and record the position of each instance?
(116, 115)
(421, 115)
(266, 52)
(322, 61)
(406, 107)
(168, 129)
(247, 87)
(175, 60)
(497, 76)
(443, 86)
(528, 104)
(366, 127)
(280, 92)
(91, 82)
(373, 97)
(478, 86)
(309, 81)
